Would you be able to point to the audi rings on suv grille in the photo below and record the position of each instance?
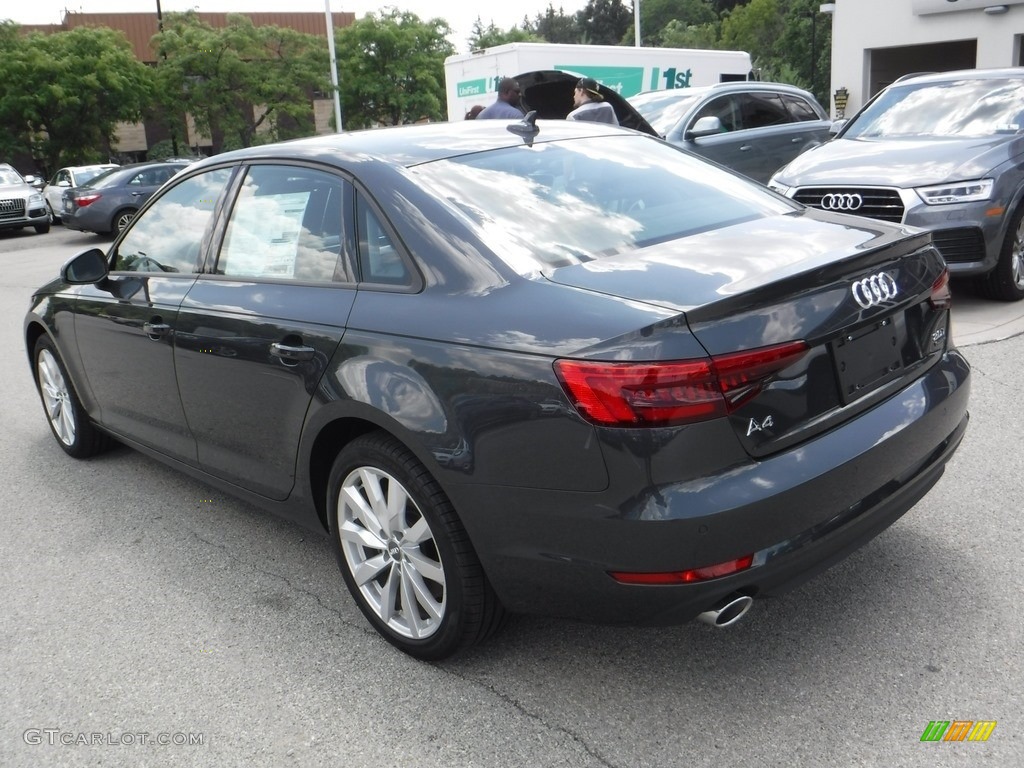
(872, 291)
(844, 201)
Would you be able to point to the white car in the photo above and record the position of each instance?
(66, 178)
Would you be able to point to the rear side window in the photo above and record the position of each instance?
(290, 223)
(800, 109)
(379, 260)
(763, 109)
(168, 236)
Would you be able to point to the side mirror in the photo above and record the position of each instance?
(837, 126)
(63, 183)
(34, 181)
(706, 126)
(86, 268)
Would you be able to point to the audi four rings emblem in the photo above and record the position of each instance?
(872, 291)
(842, 201)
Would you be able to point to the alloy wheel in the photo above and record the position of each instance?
(56, 398)
(391, 553)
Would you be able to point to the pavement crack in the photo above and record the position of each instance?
(523, 710)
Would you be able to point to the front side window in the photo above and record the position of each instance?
(168, 236)
(726, 109)
(290, 223)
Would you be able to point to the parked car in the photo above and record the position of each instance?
(66, 178)
(20, 204)
(752, 127)
(520, 366)
(106, 203)
(938, 151)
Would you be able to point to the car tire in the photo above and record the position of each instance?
(54, 218)
(121, 220)
(64, 412)
(419, 554)
(1006, 281)
(42, 229)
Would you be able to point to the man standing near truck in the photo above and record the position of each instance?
(506, 106)
(590, 104)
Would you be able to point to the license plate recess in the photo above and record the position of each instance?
(868, 357)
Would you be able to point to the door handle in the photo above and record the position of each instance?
(745, 148)
(156, 330)
(290, 353)
(797, 140)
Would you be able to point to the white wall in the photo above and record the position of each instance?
(859, 26)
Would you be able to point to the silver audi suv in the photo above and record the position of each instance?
(20, 204)
(943, 152)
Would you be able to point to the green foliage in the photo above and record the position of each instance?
(676, 34)
(391, 67)
(604, 22)
(555, 27)
(241, 84)
(65, 93)
(657, 16)
(490, 36)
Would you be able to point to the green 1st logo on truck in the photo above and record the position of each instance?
(626, 81)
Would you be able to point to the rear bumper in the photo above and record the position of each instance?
(798, 512)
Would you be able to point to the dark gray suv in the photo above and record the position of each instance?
(939, 151)
(754, 128)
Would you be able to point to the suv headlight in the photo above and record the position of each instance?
(35, 199)
(958, 192)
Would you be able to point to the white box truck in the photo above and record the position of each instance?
(472, 78)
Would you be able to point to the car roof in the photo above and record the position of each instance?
(410, 145)
(732, 85)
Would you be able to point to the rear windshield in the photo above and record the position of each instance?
(956, 109)
(566, 202)
(88, 175)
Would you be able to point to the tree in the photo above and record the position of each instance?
(64, 93)
(657, 15)
(490, 36)
(604, 22)
(392, 68)
(555, 27)
(676, 34)
(240, 82)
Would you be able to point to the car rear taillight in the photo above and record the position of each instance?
(942, 296)
(689, 576)
(85, 200)
(672, 392)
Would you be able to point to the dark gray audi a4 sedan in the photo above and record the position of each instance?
(517, 367)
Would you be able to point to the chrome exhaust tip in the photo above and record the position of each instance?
(727, 611)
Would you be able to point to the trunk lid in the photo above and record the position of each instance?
(857, 292)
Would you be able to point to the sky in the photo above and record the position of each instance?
(460, 14)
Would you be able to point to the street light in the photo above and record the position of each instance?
(334, 66)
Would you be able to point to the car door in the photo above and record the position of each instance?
(256, 332)
(735, 146)
(125, 325)
(54, 191)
